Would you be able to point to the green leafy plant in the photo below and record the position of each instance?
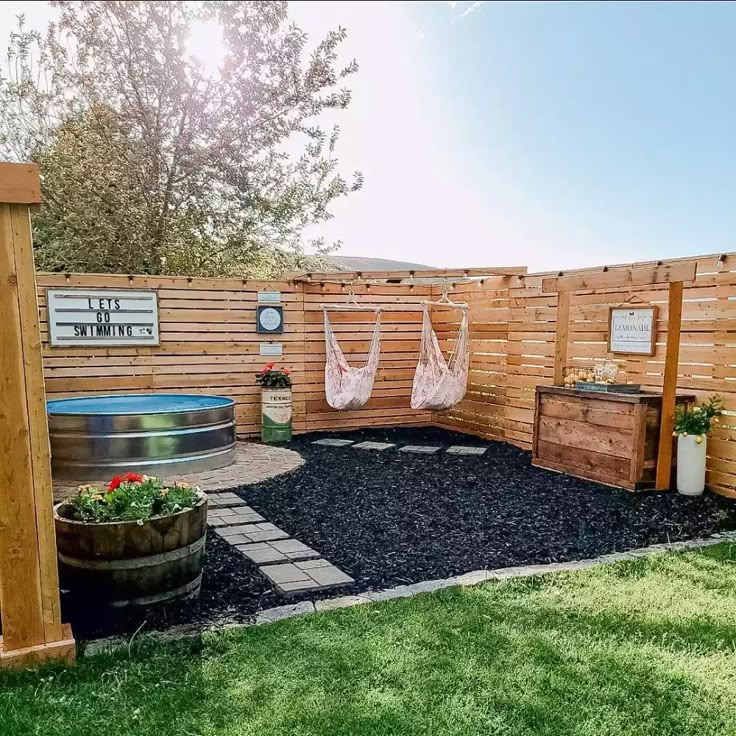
(130, 497)
(270, 377)
(699, 420)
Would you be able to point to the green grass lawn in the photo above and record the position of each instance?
(643, 647)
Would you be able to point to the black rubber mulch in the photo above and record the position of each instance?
(389, 517)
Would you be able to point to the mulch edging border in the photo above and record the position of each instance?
(280, 613)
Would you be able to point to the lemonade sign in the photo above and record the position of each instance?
(632, 330)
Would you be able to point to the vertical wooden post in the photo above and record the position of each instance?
(561, 337)
(29, 586)
(669, 389)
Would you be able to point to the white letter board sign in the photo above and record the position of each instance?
(102, 317)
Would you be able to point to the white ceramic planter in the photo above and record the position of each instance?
(691, 465)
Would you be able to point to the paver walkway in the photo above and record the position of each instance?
(254, 462)
(290, 565)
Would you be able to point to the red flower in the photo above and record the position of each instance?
(125, 478)
(270, 365)
(264, 370)
(286, 371)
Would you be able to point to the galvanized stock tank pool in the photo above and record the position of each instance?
(97, 437)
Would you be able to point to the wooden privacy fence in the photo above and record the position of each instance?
(513, 324)
(209, 344)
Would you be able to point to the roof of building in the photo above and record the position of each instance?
(358, 263)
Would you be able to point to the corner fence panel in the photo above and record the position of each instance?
(500, 403)
(209, 344)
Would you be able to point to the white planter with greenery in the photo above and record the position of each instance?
(691, 428)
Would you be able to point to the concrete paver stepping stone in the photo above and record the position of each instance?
(463, 450)
(224, 500)
(310, 575)
(280, 550)
(245, 533)
(232, 516)
(333, 443)
(374, 445)
(294, 549)
(421, 449)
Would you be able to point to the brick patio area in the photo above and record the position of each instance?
(254, 463)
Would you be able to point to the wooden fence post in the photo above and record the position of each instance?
(561, 336)
(669, 387)
(29, 585)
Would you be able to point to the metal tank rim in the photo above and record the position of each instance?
(54, 406)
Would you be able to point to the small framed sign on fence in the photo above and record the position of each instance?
(102, 317)
(632, 330)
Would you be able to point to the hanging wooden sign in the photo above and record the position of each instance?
(632, 330)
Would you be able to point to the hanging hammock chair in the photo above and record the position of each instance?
(349, 388)
(439, 385)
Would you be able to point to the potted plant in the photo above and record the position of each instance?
(135, 542)
(691, 429)
(276, 411)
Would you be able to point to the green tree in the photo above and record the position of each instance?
(150, 164)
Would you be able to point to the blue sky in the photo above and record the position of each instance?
(615, 122)
(562, 134)
(544, 134)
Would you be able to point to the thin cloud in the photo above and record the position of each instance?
(474, 8)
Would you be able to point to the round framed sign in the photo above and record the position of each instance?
(270, 319)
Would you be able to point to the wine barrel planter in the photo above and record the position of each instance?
(125, 563)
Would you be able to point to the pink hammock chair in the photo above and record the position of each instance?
(440, 384)
(346, 387)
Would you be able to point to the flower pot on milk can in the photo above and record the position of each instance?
(691, 428)
(276, 404)
(275, 414)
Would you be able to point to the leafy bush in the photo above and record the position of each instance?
(130, 497)
(700, 419)
(271, 377)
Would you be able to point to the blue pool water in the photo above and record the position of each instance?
(136, 404)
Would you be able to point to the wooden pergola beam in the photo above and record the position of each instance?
(29, 585)
(433, 273)
(621, 277)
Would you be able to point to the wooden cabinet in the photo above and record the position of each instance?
(606, 437)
